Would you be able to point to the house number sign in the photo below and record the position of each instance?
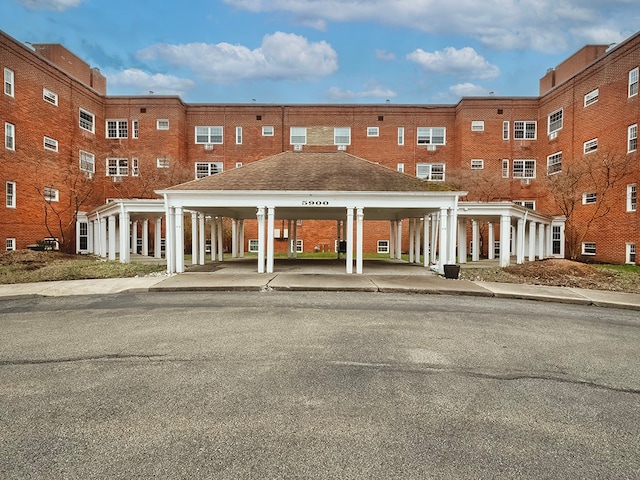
(315, 203)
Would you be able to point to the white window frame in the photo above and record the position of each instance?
(477, 164)
(555, 121)
(162, 124)
(554, 163)
(400, 135)
(383, 246)
(342, 135)
(505, 168)
(9, 82)
(9, 136)
(299, 246)
(400, 167)
(477, 125)
(298, 135)
(588, 248)
(524, 168)
(531, 204)
(252, 245)
(432, 172)
(373, 131)
(51, 194)
(117, 128)
(268, 131)
(238, 135)
(632, 197)
(50, 144)
(117, 167)
(205, 169)
(87, 162)
(591, 97)
(431, 136)
(10, 194)
(87, 120)
(10, 244)
(505, 130)
(632, 138)
(49, 96)
(163, 162)
(633, 82)
(212, 135)
(589, 198)
(135, 167)
(590, 146)
(525, 130)
(135, 128)
(630, 253)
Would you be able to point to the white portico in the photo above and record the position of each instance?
(319, 186)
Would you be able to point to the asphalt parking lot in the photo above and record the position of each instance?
(316, 385)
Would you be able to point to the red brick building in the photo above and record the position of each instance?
(572, 150)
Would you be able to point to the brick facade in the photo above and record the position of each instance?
(481, 152)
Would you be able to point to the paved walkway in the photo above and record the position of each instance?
(321, 275)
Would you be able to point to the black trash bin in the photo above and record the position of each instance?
(452, 271)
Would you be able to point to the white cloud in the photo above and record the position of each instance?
(337, 94)
(58, 5)
(281, 56)
(451, 61)
(543, 25)
(468, 90)
(142, 82)
(384, 55)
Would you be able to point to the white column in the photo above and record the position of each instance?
(295, 238)
(520, 241)
(426, 248)
(505, 240)
(462, 241)
(194, 238)
(412, 230)
(100, 237)
(134, 237)
(541, 241)
(157, 239)
(234, 238)
(349, 236)
(359, 239)
(492, 240)
(443, 245)
(125, 237)
(270, 239)
(201, 239)
(532, 241)
(392, 239)
(241, 239)
(475, 238)
(170, 240)
(399, 240)
(179, 240)
(290, 239)
(112, 237)
(220, 245)
(90, 233)
(214, 238)
(145, 237)
(416, 250)
(261, 249)
(451, 234)
(435, 228)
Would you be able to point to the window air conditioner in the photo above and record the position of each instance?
(553, 135)
(208, 146)
(342, 147)
(431, 148)
(297, 148)
(116, 179)
(525, 181)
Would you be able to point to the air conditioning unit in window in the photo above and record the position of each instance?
(208, 146)
(431, 148)
(116, 179)
(89, 175)
(342, 148)
(525, 181)
(297, 148)
(553, 135)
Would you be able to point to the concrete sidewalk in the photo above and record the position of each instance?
(333, 282)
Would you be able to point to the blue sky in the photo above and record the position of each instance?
(322, 51)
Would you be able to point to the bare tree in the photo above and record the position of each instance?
(148, 177)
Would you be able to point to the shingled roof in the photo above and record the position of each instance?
(301, 171)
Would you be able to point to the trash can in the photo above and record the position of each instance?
(452, 271)
(342, 246)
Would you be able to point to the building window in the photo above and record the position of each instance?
(632, 197)
(524, 130)
(505, 168)
(524, 169)
(50, 194)
(400, 135)
(433, 172)
(10, 192)
(204, 169)
(9, 85)
(431, 135)
(210, 135)
(267, 131)
(9, 136)
(383, 246)
(238, 164)
(555, 121)
(162, 124)
(632, 138)
(253, 245)
(591, 97)
(238, 135)
(526, 203)
(135, 167)
(633, 82)
(556, 240)
(589, 198)
(373, 131)
(50, 97)
(401, 167)
(87, 162)
(298, 135)
(554, 163)
(505, 130)
(477, 164)
(50, 144)
(630, 254)
(162, 162)
(299, 247)
(342, 136)
(117, 129)
(135, 128)
(477, 126)
(591, 146)
(87, 121)
(117, 167)
(10, 244)
(588, 248)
